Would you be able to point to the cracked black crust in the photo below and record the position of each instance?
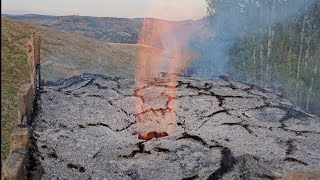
(52, 153)
(140, 150)
(73, 87)
(200, 140)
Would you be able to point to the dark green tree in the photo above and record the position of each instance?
(270, 43)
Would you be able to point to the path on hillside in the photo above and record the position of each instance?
(87, 128)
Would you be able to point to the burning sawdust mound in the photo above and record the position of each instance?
(87, 127)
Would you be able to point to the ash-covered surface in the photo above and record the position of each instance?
(86, 128)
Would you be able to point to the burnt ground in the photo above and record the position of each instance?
(87, 127)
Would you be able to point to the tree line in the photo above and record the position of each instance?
(271, 43)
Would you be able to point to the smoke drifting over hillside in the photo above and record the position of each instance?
(230, 21)
(272, 43)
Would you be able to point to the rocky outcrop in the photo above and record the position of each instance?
(88, 126)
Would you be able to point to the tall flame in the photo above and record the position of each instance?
(171, 38)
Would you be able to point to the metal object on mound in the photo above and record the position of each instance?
(222, 129)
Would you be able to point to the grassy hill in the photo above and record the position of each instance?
(109, 29)
(62, 55)
(118, 30)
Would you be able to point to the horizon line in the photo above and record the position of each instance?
(56, 15)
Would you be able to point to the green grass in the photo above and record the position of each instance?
(14, 73)
(62, 55)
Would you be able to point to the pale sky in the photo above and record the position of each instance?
(165, 9)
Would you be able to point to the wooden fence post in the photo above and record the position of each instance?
(34, 58)
(25, 97)
(14, 166)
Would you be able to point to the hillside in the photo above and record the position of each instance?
(63, 55)
(110, 29)
(118, 30)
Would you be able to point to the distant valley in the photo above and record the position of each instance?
(109, 29)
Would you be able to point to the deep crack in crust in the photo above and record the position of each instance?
(93, 118)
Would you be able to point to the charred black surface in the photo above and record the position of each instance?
(140, 150)
(191, 178)
(34, 168)
(266, 176)
(245, 126)
(290, 146)
(195, 138)
(78, 167)
(160, 149)
(227, 163)
(52, 153)
(291, 159)
(217, 112)
(100, 124)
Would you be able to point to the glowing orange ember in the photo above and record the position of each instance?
(156, 110)
(152, 135)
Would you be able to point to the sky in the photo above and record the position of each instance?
(164, 9)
